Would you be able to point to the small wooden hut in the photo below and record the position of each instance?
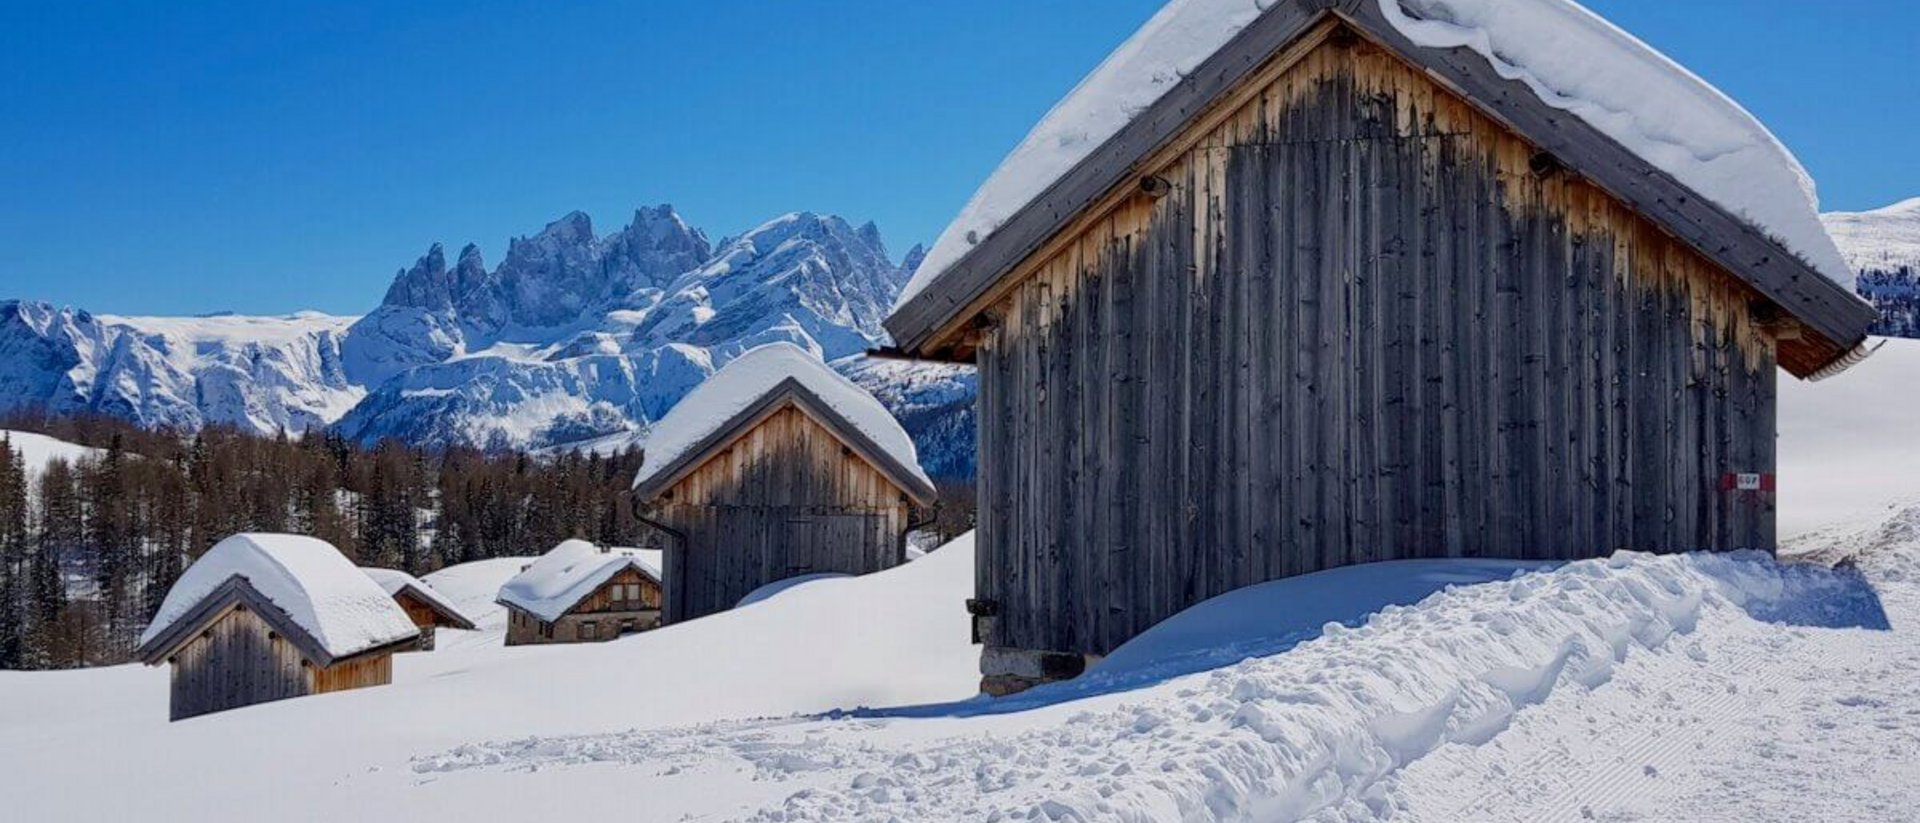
(1334, 294)
(424, 606)
(582, 593)
(776, 467)
(264, 617)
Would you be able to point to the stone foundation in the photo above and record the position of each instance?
(1012, 671)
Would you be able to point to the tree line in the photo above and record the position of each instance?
(1896, 293)
(89, 547)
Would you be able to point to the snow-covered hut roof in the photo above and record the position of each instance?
(737, 394)
(315, 590)
(560, 579)
(394, 582)
(1571, 59)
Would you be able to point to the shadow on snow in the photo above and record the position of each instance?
(1275, 617)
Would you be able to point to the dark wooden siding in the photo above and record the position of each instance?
(786, 498)
(1364, 325)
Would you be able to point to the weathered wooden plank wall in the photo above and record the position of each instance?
(237, 661)
(787, 498)
(1364, 324)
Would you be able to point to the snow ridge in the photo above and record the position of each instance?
(1880, 240)
(1318, 732)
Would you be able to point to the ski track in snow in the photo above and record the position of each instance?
(1634, 689)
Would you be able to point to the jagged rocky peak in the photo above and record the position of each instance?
(425, 285)
(470, 272)
(650, 252)
(915, 256)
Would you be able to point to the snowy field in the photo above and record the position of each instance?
(37, 450)
(1634, 688)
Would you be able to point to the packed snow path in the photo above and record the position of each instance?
(1635, 688)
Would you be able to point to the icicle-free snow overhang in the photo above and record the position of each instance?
(1818, 322)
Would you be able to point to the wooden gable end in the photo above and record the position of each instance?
(1352, 319)
(609, 598)
(788, 451)
(1305, 99)
(786, 457)
(1251, 93)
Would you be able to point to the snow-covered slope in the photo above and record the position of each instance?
(885, 639)
(1879, 240)
(1570, 57)
(1849, 445)
(258, 373)
(37, 450)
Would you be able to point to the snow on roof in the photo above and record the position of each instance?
(309, 579)
(1573, 59)
(749, 378)
(392, 581)
(561, 578)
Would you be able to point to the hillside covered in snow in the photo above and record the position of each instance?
(1883, 247)
(1629, 688)
(576, 336)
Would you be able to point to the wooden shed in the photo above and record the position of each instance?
(582, 593)
(264, 617)
(424, 606)
(1337, 297)
(776, 467)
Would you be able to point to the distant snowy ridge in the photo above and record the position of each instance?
(633, 321)
(576, 337)
(1879, 240)
(1570, 57)
(258, 373)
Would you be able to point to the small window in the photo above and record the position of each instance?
(589, 630)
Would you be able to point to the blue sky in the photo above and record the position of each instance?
(272, 156)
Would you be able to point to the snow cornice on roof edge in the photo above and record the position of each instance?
(929, 314)
(754, 386)
(790, 391)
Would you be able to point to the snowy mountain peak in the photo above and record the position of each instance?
(573, 336)
(425, 285)
(915, 256)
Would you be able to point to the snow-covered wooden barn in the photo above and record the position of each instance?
(776, 467)
(582, 593)
(264, 617)
(1298, 284)
(424, 606)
